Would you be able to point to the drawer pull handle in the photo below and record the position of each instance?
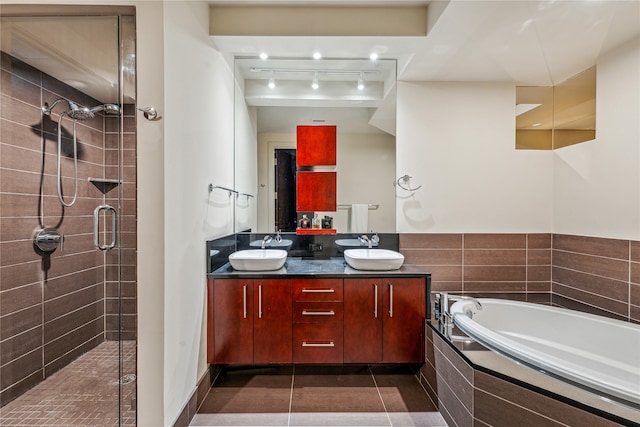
(318, 344)
(318, 291)
(318, 312)
(375, 301)
(244, 300)
(260, 301)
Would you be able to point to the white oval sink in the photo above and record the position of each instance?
(258, 259)
(373, 259)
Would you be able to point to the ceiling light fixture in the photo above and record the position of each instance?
(272, 83)
(317, 55)
(361, 81)
(314, 82)
(373, 56)
(263, 55)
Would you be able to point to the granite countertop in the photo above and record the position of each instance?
(301, 267)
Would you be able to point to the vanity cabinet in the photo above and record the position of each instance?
(384, 320)
(319, 320)
(251, 321)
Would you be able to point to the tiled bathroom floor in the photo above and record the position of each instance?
(318, 396)
(83, 393)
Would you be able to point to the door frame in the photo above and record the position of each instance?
(271, 180)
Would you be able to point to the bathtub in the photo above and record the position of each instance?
(594, 352)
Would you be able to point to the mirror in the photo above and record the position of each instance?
(548, 118)
(274, 96)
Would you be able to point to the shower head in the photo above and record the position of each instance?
(78, 113)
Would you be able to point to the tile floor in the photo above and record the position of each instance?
(83, 393)
(318, 396)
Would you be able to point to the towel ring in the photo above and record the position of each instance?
(405, 179)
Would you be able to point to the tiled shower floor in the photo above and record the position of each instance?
(318, 396)
(83, 393)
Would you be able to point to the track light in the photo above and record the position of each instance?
(361, 81)
(314, 82)
(272, 82)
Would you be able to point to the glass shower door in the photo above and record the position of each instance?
(67, 268)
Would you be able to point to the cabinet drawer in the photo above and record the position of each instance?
(317, 312)
(317, 289)
(317, 343)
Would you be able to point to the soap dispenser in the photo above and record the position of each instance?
(316, 221)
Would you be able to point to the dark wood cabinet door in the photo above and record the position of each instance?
(233, 321)
(404, 306)
(272, 321)
(362, 320)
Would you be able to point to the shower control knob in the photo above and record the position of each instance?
(48, 239)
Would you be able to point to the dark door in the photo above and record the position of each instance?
(285, 177)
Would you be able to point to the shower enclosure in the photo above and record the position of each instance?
(67, 216)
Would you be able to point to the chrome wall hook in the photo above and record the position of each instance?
(149, 113)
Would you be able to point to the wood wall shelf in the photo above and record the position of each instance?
(315, 231)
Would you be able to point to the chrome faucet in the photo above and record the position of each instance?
(364, 239)
(266, 240)
(278, 237)
(442, 314)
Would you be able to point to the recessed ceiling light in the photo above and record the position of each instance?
(317, 55)
(373, 56)
(263, 55)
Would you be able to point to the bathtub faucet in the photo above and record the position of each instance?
(442, 314)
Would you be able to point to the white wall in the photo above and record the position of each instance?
(597, 183)
(198, 126)
(457, 140)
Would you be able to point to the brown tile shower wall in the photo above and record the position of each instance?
(597, 275)
(52, 308)
(514, 266)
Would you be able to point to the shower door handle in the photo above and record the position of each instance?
(96, 227)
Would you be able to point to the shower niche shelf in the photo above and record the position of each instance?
(105, 185)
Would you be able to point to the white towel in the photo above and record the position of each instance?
(359, 218)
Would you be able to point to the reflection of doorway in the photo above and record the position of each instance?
(285, 189)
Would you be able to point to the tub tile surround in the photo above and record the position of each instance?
(468, 396)
(55, 308)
